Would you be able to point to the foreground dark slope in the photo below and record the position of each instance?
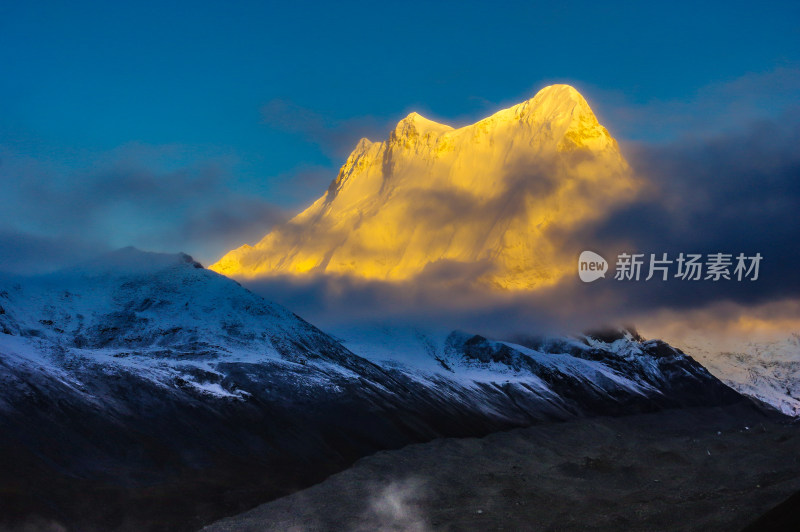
(143, 392)
(783, 517)
(695, 469)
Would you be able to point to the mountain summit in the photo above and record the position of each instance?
(489, 196)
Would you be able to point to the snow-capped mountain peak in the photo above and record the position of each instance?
(134, 303)
(430, 194)
(555, 103)
(416, 125)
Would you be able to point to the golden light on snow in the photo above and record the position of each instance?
(490, 195)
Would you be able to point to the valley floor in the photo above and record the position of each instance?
(709, 469)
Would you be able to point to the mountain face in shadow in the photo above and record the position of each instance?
(144, 392)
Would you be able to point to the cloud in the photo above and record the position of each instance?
(336, 137)
(712, 109)
(734, 192)
(164, 198)
(301, 183)
(737, 192)
(396, 506)
(25, 254)
(731, 325)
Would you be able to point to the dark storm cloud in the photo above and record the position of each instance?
(738, 192)
(335, 137)
(150, 197)
(712, 108)
(444, 296)
(231, 222)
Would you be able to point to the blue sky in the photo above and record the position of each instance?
(194, 126)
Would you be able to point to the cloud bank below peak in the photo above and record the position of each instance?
(161, 198)
(732, 192)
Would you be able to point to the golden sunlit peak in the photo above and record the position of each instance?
(416, 124)
(555, 102)
(363, 144)
(559, 88)
(491, 194)
(559, 93)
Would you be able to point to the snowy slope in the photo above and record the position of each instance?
(624, 366)
(768, 371)
(157, 315)
(167, 319)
